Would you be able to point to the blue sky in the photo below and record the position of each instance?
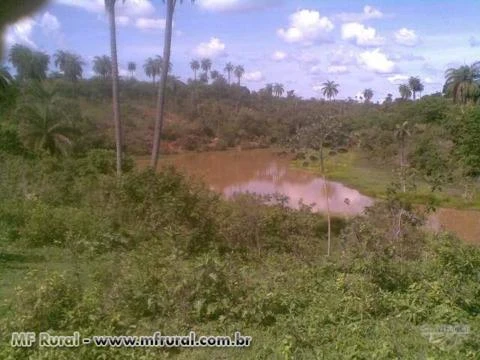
(300, 43)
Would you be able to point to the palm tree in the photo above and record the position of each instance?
(278, 89)
(150, 69)
(269, 89)
(194, 65)
(44, 121)
(167, 43)
(102, 66)
(29, 64)
(463, 83)
(239, 71)
(158, 63)
(401, 133)
(415, 85)
(71, 65)
(388, 99)
(206, 65)
(405, 91)
(214, 74)
(368, 95)
(5, 78)
(229, 69)
(110, 8)
(132, 67)
(330, 89)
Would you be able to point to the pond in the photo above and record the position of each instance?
(264, 171)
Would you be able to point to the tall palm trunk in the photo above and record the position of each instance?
(162, 85)
(115, 94)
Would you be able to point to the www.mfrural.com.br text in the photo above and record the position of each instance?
(45, 339)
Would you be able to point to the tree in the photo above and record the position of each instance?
(150, 69)
(330, 89)
(102, 66)
(229, 69)
(158, 64)
(8, 90)
(320, 130)
(463, 83)
(6, 79)
(388, 99)
(157, 134)
(278, 89)
(110, 8)
(290, 94)
(206, 65)
(29, 64)
(214, 74)
(401, 133)
(132, 67)
(44, 121)
(71, 66)
(415, 85)
(368, 95)
(405, 91)
(195, 66)
(239, 71)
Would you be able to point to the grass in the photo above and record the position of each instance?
(354, 169)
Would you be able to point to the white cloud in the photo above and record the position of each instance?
(234, 5)
(49, 22)
(369, 12)
(306, 57)
(361, 35)
(213, 48)
(376, 61)
(317, 88)
(474, 42)
(21, 33)
(342, 56)
(397, 78)
(123, 20)
(337, 69)
(406, 37)
(306, 26)
(316, 69)
(429, 80)
(133, 8)
(150, 24)
(279, 55)
(254, 76)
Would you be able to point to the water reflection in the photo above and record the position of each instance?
(262, 172)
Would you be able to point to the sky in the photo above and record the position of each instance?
(299, 43)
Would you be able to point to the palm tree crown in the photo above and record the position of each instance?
(71, 65)
(405, 91)
(239, 71)
(330, 89)
(229, 69)
(102, 65)
(28, 63)
(44, 121)
(463, 83)
(132, 67)
(278, 89)
(415, 85)
(368, 95)
(195, 66)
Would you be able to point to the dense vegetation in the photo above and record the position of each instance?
(87, 246)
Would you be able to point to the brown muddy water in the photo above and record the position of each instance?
(264, 172)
